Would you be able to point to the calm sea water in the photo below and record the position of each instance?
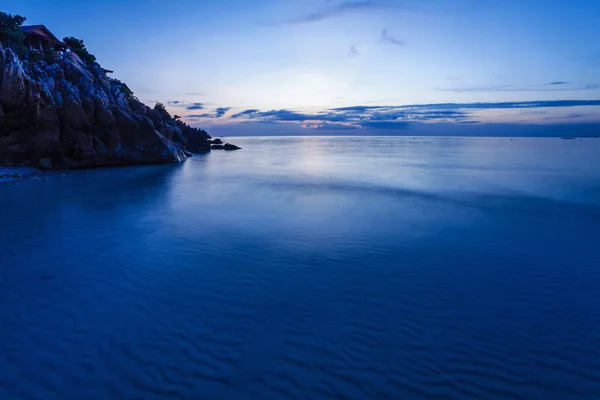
(309, 268)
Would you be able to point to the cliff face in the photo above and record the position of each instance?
(67, 115)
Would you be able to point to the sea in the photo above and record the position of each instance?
(313, 268)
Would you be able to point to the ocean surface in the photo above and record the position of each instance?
(309, 268)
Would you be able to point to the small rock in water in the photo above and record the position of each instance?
(229, 146)
(226, 146)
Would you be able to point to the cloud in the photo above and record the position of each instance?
(198, 116)
(186, 104)
(355, 108)
(335, 11)
(483, 106)
(353, 52)
(558, 86)
(219, 112)
(275, 115)
(329, 127)
(247, 113)
(386, 124)
(195, 106)
(385, 36)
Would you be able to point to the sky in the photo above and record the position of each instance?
(351, 67)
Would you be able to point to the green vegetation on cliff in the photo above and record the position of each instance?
(78, 47)
(11, 34)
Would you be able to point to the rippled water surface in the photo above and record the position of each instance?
(309, 268)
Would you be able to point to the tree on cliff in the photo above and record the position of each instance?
(11, 34)
(161, 109)
(78, 48)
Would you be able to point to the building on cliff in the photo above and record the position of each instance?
(39, 38)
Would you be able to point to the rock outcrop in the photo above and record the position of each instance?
(226, 146)
(69, 115)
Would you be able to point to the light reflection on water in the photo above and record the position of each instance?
(319, 268)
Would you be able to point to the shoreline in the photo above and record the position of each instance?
(13, 174)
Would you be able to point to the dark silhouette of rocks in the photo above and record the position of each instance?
(67, 114)
(227, 147)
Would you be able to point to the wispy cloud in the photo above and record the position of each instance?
(197, 116)
(459, 106)
(353, 52)
(335, 11)
(185, 104)
(195, 106)
(275, 115)
(386, 124)
(247, 113)
(557, 86)
(219, 112)
(386, 37)
(330, 127)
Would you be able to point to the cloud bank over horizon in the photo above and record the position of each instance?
(365, 118)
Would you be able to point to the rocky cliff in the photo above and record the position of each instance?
(64, 114)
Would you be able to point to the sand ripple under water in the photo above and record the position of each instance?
(313, 268)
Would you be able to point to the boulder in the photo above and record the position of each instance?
(226, 146)
(13, 92)
(229, 146)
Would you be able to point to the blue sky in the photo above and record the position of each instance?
(241, 65)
